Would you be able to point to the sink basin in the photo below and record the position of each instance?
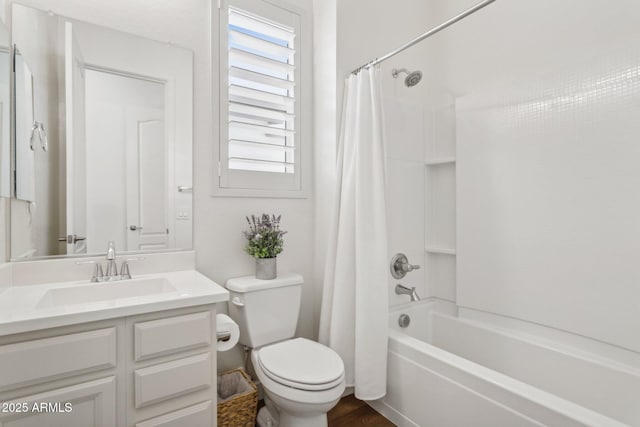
(106, 291)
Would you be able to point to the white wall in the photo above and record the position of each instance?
(324, 149)
(218, 222)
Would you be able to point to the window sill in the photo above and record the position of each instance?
(259, 193)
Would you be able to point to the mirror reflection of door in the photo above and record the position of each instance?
(75, 88)
(146, 180)
(126, 162)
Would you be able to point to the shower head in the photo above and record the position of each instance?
(412, 79)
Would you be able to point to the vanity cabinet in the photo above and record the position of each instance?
(151, 370)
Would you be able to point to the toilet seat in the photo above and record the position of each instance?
(302, 364)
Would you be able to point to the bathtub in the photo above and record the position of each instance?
(445, 371)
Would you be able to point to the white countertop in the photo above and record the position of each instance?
(21, 308)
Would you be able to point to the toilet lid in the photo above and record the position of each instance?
(302, 364)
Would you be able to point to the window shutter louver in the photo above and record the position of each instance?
(261, 95)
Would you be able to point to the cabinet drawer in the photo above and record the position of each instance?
(172, 379)
(171, 335)
(199, 415)
(41, 360)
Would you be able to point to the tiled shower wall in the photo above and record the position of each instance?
(405, 131)
(421, 194)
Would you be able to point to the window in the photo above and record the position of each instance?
(261, 138)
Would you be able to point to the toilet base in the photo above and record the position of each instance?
(267, 418)
(296, 414)
(290, 420)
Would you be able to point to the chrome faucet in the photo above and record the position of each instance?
(112, 267)
(404, 290)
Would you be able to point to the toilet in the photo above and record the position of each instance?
(302, 378)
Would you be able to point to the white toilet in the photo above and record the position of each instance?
(303, 378)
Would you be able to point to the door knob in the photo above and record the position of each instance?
(71, 238)
(135, 227)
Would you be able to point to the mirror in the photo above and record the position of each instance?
(25, 153)
(5, 108)
(103, 139)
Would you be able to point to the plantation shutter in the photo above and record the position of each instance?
(259, 149)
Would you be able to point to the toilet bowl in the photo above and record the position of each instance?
(303, 378)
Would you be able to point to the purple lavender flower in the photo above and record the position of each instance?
(264, 236)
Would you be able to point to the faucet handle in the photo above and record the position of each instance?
(124, 269)
(410, 267)
(97, 269)
(97, 272)
(400, 266)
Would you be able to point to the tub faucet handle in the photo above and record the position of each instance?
(400, 266)
(410, 267)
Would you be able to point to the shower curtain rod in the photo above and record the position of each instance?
(428, 34)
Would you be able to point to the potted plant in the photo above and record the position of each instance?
(264, 243)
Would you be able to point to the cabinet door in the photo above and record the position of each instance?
(90, 404)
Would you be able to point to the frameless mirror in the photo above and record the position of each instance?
(103, 139)
(5, 108)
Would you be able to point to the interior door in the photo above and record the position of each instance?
(76, 152)
(146, 181)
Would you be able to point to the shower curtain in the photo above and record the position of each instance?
(353, 319)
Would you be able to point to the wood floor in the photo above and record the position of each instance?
(351, 412)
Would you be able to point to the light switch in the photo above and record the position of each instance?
(183, 214)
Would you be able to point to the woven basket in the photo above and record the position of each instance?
(241, 409)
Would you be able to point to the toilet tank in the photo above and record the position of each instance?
(265, 310)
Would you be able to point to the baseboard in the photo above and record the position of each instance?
(391, 414)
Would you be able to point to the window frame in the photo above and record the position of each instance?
(242, 183)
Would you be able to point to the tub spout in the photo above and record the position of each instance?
(404, 290)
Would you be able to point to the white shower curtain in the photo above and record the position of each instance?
(353, 318)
